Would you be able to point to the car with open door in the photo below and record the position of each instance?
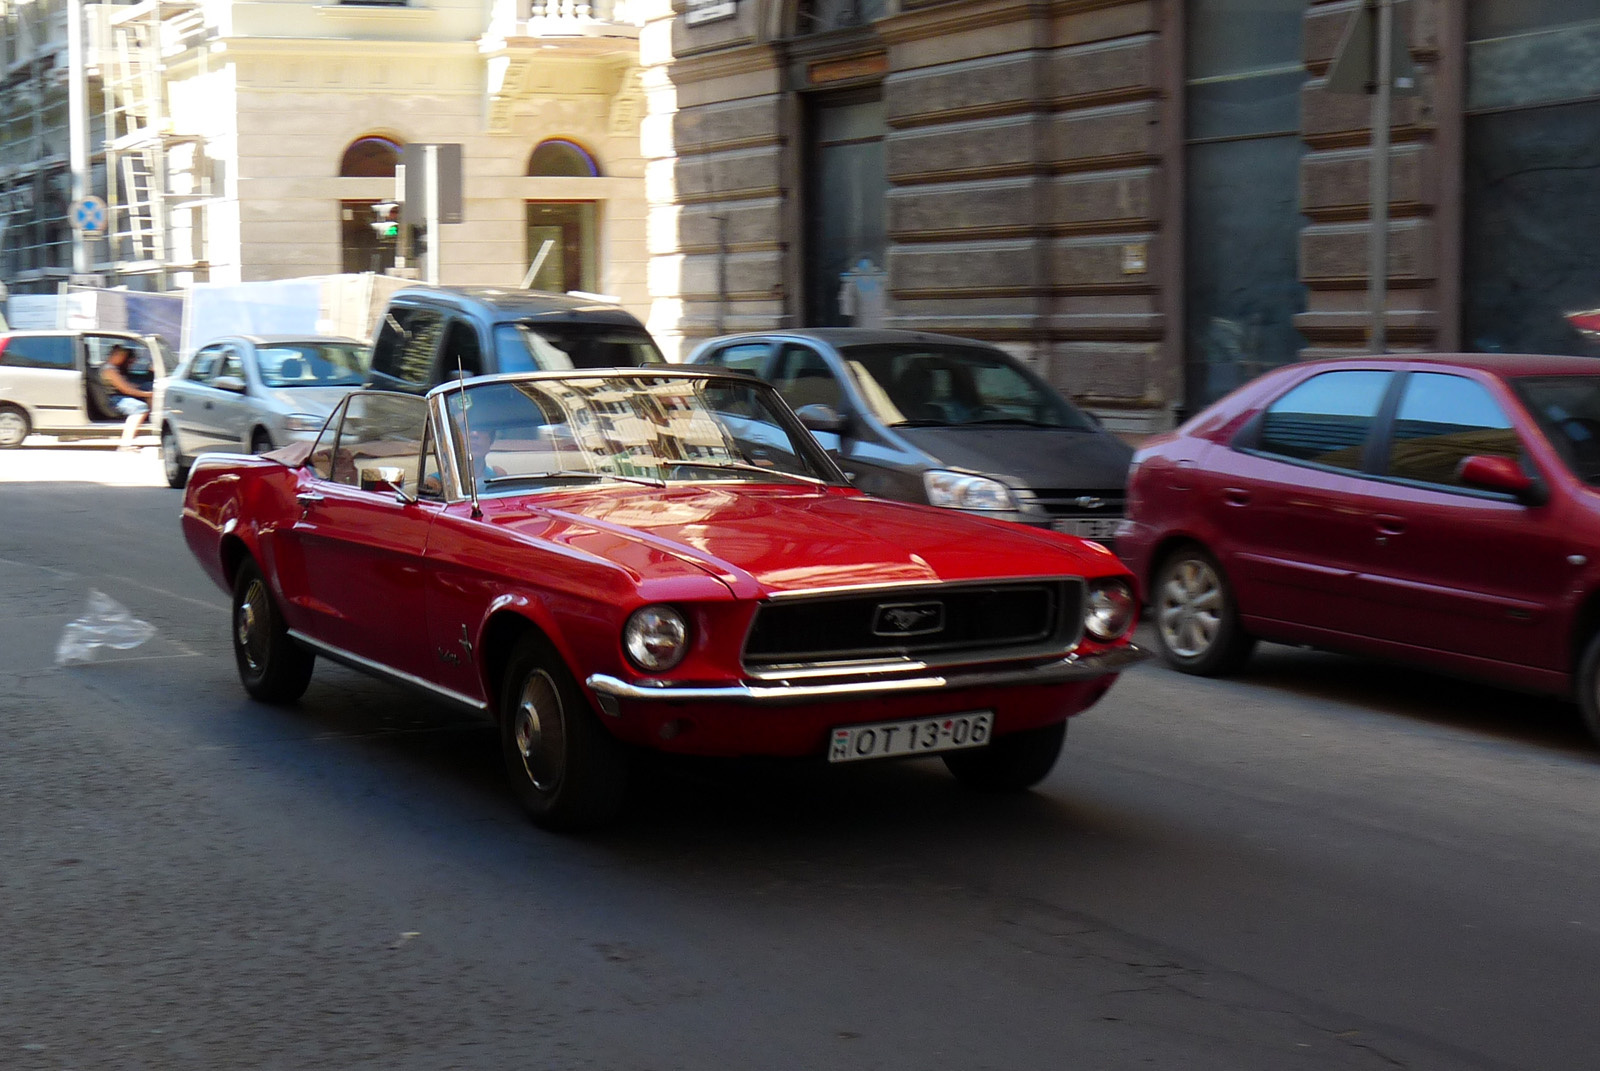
(656, 559)
(50, 382)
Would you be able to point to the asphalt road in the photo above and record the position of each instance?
(1319, 864)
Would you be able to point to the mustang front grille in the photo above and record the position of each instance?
(932, 624)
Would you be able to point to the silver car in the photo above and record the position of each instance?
(254, 393)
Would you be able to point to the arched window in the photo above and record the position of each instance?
(560, 158)
(370, 157)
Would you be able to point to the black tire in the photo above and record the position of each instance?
(1196, 616)
(272, 667)
(173, 463)
(1010, 763)
(260, 441)
(14, 426)
(566, 770)
(1589, 687)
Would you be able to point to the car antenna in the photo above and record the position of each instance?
(466, 424)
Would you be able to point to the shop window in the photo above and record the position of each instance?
(820, 16)
(562, 245)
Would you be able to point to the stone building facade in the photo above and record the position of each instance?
(1150, 200)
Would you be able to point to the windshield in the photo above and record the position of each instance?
(311, 364)
(552, 347)
(1568, 409)
(634, 428)
(920, 385)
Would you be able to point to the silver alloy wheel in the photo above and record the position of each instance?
(540, 731)
(13, 428)
(169, 455)
(252, 625)
(1190, 612)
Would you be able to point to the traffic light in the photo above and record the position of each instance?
(386, 220)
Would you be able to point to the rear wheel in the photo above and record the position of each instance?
(1197, 620)
(272, 667)
(14, 426)
(566, 770)
(1009, 763)
(173, 462)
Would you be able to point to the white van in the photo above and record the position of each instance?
(50, 382)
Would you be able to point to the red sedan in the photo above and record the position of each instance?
(1442, 510)
(666, 559)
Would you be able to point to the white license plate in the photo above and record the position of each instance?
(922, 736)
(1089, 527)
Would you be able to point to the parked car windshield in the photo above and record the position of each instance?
(551, 347)
(1568, 409)
(920, 385)
(311, 364)
(533, 432)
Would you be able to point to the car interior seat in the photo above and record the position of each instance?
(97, 396)
(292, 368)
(813, 386)
(913, 393)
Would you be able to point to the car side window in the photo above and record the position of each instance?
(462, 355)
(231, 365)
(1326, 419)
(406, 344)
(748, 357)
(381, 437)
(1444, 419)
(321, 457)
(205, 364)
(37, 351)
(803, 377)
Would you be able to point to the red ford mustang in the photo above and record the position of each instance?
(1439, 509)
(663, 558)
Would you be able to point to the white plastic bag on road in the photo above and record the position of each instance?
(106, 625)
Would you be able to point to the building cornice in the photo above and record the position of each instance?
(743, 59)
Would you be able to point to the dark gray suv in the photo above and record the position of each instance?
(942, 420)
(429, 334)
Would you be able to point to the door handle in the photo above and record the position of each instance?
(208, 405)
(308, 498)
(1236, 496)
(1390, 525)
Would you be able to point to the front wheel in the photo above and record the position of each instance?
(1009, 763)
(173, 463)
(1589, 687)
(260, 441)
(1196, 618)
(272, 667)
(566, 770)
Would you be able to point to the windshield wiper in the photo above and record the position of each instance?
(920, 424)
(734, 466)
(573, 474)
(1023, 421)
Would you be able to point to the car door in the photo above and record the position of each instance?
(184, 407)
(1291, 502)
(1451, 567)
(228, 410)
(358, 545)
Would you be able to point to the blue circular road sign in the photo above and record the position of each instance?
(89, 215)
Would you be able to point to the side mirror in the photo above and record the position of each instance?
(384, 478)
(820, 416)
(1502, 474)
(232, 383)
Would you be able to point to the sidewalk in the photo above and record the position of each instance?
(42, 460)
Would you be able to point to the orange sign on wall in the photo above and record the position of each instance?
(852, 67)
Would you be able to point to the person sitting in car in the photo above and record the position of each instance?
(130, 400)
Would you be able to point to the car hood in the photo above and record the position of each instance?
(763, 541)
(317, 401)
(1033, 457)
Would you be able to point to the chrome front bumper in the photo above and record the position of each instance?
(1071, 668)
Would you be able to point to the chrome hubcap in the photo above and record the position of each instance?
(1190, 613)
(13, 429)
(250, 626)
(539, 731)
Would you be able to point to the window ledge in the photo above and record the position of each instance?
(398, 12)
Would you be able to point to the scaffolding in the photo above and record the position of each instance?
(157, 181)
(35, 179)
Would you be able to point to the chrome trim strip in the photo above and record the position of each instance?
(378, 669)
(1071, 668)
(932, 583)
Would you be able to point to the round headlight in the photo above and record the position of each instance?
(656, 638)
(1108, 612)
